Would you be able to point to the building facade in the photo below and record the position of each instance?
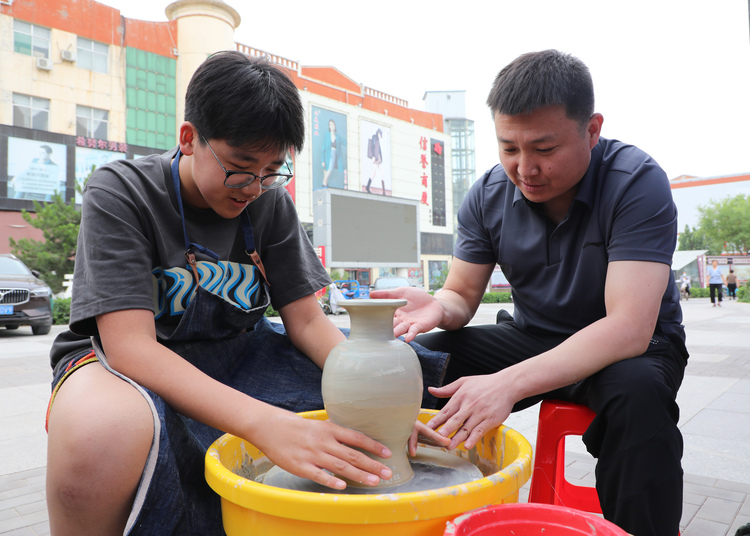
(452, 106)
(82, 85)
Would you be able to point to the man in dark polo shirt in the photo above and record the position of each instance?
(584, 229)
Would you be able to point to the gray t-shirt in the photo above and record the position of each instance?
(131, 251)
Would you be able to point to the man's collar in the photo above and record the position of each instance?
(587, 189)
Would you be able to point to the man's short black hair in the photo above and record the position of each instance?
(538, 79)
(245, 101)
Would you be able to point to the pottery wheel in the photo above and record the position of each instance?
(433, 469)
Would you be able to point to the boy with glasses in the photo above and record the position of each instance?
(179, 255)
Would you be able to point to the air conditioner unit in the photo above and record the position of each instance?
(68, 55)
(44, 64)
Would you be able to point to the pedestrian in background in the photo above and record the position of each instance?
(685, 285)
(715, 281)
(732, 285)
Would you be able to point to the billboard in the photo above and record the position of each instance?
(329, 149)
(375, 158)
(35, 165)
(87, 160)
(437, 164)
(37, 170)
(359, 230)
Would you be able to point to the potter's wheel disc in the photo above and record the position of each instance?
(433, 469)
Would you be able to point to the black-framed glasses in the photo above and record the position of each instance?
(240, 179)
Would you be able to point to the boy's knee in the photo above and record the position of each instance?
(96, 442)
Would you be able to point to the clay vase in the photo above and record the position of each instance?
(372, 383)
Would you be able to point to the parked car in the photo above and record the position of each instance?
(25, 300)
(351, 289)
(498, 280)
(388, 282)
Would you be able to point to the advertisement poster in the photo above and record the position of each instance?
(36, 170)
(375, 143)
(87, 160)
(329, 149)
(415, 277)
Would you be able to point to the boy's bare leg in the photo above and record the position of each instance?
(100, 433)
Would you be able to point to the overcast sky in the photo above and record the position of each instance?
(671, 76)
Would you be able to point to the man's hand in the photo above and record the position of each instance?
(424, 434)
(313, 449)
(451, 308)
(421, 313)
(477, 405)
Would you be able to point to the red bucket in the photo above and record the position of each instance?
(527, 519)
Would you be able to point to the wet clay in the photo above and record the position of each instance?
(432, 468)
(372, 383)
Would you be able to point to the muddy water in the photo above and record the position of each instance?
(432, 468)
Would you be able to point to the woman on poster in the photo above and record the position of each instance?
(333, 149)
(375, 154)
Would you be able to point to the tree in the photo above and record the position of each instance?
(726, 224)
(53, 257)
(438, 281)
(692, 239)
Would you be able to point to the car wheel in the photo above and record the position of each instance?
(41, 329)
(11, 327)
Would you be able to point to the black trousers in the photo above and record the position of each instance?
(634, 435)
(714, 289)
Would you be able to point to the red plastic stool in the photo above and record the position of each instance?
(548, 484)
(558, 419)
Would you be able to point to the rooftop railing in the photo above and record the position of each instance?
(294, 66)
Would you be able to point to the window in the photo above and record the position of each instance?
(91, 122)
(30, 112)
(92, 55)
(30, 39)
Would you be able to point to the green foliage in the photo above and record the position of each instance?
(79, 187)
(271, 311)
(61, 311)
(726, 224)
(692, 239)
(698, 292)
(743, 294)
(439, 280)
(497, 297)
(54, 256)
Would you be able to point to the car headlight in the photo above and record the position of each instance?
(41, 292)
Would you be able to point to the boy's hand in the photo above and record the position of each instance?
(313, 449)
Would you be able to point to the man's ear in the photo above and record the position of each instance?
(594, 129)
(188, 138)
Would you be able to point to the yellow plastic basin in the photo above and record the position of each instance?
(250, 508)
